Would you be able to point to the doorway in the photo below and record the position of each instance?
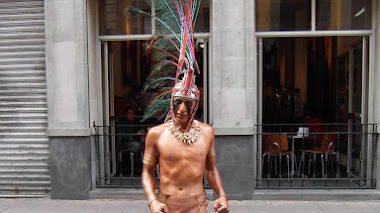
(318, 84)
(128, 90)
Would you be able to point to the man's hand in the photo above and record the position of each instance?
(158, 207)
(221, 205)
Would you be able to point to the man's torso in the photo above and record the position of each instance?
(182, 165)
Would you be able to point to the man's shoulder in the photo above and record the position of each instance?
(155, 133)
(158, 129)
(206, 127)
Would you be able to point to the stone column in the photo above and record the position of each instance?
(67, 87)
(376, 97)
(233, 93)
(94, 76)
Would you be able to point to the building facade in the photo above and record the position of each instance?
(269, 68)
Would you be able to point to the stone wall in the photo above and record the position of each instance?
(70, 169)
(234, 159)
(68, 101)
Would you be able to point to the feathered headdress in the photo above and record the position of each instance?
(178, 18)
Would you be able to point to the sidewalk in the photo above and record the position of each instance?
(136, 206)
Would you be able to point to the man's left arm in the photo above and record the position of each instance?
(214, 179)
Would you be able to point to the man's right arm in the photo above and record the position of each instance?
(147, 178)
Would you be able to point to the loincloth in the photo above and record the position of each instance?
(178, 203)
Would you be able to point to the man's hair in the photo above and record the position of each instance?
(126, 109)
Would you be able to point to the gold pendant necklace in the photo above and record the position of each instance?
(185, 137)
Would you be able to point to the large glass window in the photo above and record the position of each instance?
(129, 89)
(314, 97)
(314, 83)
(134, 72)
(133, 84)
(312, 77)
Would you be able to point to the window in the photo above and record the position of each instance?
(312, 77)
(280, 15)
(127, 29)
(132, 17)
(313, 68)
(297, 15)
(344, 15)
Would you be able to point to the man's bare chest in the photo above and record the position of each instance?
(171, 149)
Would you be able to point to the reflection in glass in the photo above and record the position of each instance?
(344, 14)
(311, 77)
(115, 17)
(119, 17)
(314, 82)
(202, 23)
(130, 65)
(282, 15)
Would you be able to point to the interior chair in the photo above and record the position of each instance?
(276, 146)
(130, 147)
(324, 147)
(128, 143)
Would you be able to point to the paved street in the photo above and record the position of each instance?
(136, 206)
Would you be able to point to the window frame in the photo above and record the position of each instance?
(318, 33)
(368, 36)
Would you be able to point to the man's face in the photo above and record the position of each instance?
(130, 115)
(183, 109)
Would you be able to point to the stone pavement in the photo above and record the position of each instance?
(28, 205)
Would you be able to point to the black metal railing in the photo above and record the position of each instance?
(119, 150)
(318, 155)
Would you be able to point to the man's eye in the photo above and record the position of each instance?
(189, 104)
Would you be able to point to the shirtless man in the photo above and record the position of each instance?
(182, 162)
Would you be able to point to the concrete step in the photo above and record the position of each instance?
(316, 194)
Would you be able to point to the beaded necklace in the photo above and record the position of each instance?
(185, 137)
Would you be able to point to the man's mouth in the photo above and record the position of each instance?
(181, 115)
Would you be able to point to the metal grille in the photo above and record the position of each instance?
(24, 149)
(126, 171)
(332, 156)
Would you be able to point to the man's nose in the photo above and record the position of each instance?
(182, 107)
